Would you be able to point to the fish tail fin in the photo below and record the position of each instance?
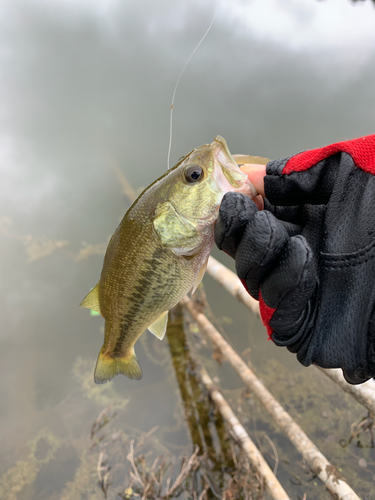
(107, 367)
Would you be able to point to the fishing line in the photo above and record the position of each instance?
(178, 81)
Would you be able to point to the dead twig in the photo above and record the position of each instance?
(366, 424)
(127, 188)
(276, 455)
(135, 474)
(185, 470)
(103, 479)
(101, 421)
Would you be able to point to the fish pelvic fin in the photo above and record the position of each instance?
(199, 277)
(159, 327)
(107, 367)
(91, 301)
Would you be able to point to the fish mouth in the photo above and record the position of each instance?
(229, 176)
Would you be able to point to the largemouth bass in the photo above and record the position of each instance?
(159, 253)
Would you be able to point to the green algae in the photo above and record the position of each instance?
(103, 395)
(84, 485)
(25, 472)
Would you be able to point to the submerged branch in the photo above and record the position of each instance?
(364, 395)
(317, 462)
(231, 283)
(127, 188)
(255, 457)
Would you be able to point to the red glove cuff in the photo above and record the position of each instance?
(362, 151)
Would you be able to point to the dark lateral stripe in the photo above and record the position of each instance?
(149, 281)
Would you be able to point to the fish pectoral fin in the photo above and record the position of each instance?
(173, 229)
(159, 327)
(108, 367)
(199, 277)
(91, 301)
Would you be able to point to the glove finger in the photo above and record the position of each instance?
(236, 210)
(293, 214)
(288, 289)
(259, 249)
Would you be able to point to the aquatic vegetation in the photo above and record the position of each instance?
(15, 479)
(103, 395)
(87, 250)
(85, 482)
(37, 248)
(42, 450)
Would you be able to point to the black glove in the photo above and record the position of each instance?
(310, 256)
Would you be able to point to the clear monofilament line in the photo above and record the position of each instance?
(178, 81)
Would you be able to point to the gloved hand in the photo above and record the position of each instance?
(309, 256)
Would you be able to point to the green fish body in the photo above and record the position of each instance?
(159, 253)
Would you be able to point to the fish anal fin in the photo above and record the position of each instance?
(159, 327)
(108, 367)
(199, 277)
(91, 301)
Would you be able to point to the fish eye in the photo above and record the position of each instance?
(193, 173)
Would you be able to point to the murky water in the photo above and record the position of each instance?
(86, 87)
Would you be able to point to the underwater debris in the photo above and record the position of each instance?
(127, 188)
(87, 250)
(37, 248)
(366, 423)
(101, 421)
(196, 479)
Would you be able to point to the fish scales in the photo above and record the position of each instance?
(159, 252)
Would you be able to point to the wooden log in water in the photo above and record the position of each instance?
(231, 283)
(361, 393)
(317, 462)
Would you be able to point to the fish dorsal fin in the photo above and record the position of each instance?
(159, 327)
(91, 301)
(199, 277)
